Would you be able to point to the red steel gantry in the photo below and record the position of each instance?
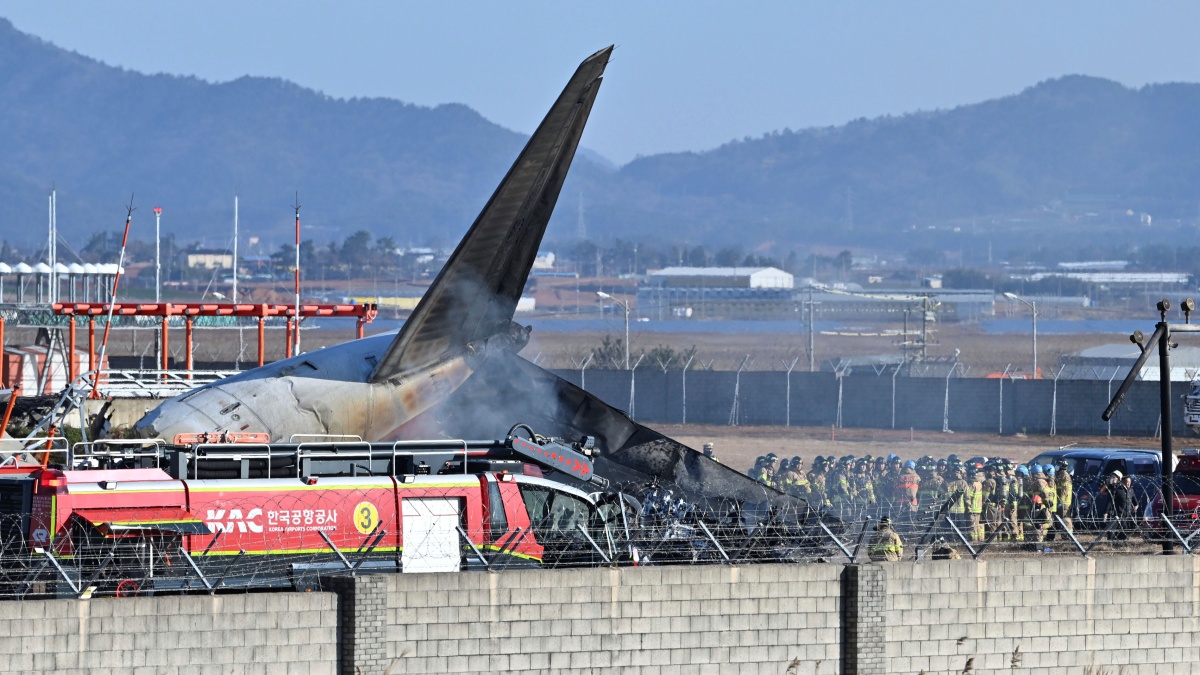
(364, 313)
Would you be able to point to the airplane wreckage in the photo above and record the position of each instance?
(452, 371)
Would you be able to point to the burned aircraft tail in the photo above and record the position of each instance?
(476, 293)
(508, 388)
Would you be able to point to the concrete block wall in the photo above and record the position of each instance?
(710, 619)
(256, 633)
(1060, 615)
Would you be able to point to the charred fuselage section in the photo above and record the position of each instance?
(673, 490)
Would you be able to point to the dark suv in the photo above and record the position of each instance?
(1090, 468)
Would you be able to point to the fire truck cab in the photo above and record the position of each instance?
(131, 519)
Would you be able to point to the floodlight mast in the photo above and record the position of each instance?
(1032, 308)
(1161, 338)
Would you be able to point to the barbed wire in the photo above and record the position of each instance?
(290, 541)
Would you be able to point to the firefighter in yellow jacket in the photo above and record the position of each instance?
(886, 545)
(1044, 501)
(1064, 487)
(974, 500)
(957, 489)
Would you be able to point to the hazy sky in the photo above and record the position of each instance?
(687, 75)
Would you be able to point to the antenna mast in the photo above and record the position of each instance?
(235, 247)
(51, 253)
(157, 254)
(296, 342)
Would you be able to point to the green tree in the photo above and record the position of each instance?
(967, 278)
(667, 358)
(610, 354)
(356, 250)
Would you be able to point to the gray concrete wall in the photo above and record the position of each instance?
(1053, 615)
(872, 401)
(750, 619)
(255, 633)
(1058, 615)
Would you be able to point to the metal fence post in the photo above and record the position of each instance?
(734, 412)
(1000, 430)
(787, 410)
(685, 371)
(1054, 403)
(632, 383)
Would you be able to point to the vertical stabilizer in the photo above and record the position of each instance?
(476, 293)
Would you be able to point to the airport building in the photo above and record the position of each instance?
(770, 293)
(1113, 361)
(716, 292)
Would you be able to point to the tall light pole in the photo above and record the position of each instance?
(624, 305)
(1032, 308)
(157, 255)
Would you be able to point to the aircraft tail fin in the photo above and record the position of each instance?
(476, 293)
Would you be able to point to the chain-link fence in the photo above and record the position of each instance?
(292, 538)
(1104, 519)
(879, 398)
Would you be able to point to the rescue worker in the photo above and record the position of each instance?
(933, 487)
(886, 545)
(1048, 471)
(838, 488)
(993, 500)
(1065, 489)
(1041, 504)
(791, 478)
(944, 551)
(864, 489)
(761, 471)
(879, 466)
(1017, 503)
(891, 478)
(1051, 498)
(1121, 505)
(816, 483)
(708, 452)
(974, 499)
(957, 489)
(908, 485)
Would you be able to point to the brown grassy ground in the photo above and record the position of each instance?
(980, 352)
(738, 446)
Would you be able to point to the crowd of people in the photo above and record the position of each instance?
(984, 498)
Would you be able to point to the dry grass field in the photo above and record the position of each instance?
(737, 446)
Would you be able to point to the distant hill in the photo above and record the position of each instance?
(99, 132)
(1065, 158)
(1064, 146)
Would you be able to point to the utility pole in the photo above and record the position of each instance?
(235, 247)
(812, 354)
(625, 306)
(157, 254)
(1033, 309)
(296, 342)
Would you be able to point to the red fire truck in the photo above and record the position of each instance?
(201, 515)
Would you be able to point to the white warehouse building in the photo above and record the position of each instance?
(716, 292)
(722, 277)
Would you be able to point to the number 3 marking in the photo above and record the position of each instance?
(366, 517)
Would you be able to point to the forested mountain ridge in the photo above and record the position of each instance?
(1068, 155)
